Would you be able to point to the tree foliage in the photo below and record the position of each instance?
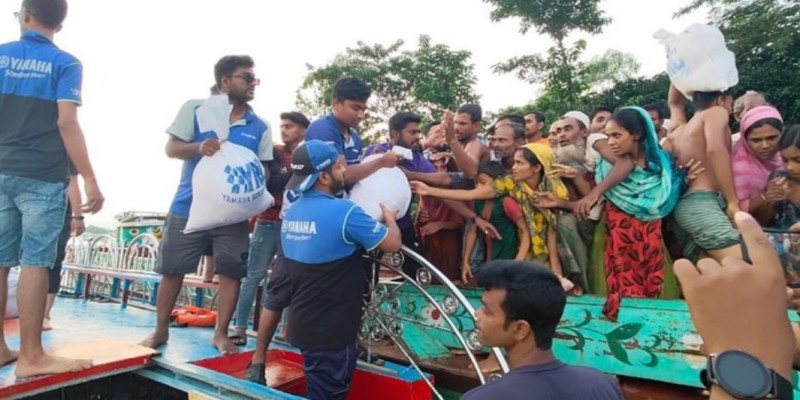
(560, 71)
(426, 80)
(553, 18)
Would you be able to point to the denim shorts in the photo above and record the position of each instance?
(31, 218)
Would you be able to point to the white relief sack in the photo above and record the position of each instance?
(229, 186)
(388, 186)
(698, 60)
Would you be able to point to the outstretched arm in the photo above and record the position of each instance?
(481, 192)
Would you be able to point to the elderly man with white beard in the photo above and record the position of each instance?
(576, 155)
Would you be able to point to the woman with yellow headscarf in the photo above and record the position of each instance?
(527, 178)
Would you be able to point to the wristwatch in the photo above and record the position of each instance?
(745, 377)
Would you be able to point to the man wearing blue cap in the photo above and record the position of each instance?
(323, 239)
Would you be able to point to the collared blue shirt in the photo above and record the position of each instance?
(320, 228)
(328, 130)
(248, 132)
(35, 76)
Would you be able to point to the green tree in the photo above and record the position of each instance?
(765, 36)
(426, 80)
(559, 69)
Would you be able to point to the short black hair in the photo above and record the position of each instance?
(519, 130)
(492, 168)
(657, 108)
(351, 88)
(227, 65)
(400, 120)
(297, 118)
(533, 294)
(473, 110)
(514, 118)
(538, 115)
(50, 13)
(790, 138)
(598, 110)
(430, 125)
(703, 100)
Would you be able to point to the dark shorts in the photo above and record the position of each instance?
(329, 372)
(278, 292)
(179, 253)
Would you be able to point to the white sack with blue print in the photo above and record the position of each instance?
(229, 186)
(698, 60)
(388, 186)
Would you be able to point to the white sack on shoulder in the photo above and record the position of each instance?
(698, 60)
(388, 186)
(227, 188)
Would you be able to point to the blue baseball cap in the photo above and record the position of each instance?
(308, 161)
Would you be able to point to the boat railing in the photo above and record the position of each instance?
(439, 306)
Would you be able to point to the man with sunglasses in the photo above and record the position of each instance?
(180, 253)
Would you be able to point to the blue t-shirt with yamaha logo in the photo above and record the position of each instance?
(323, 239)
(250, 132)
(35, 76)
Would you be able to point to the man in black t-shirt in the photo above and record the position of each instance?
(522, 305)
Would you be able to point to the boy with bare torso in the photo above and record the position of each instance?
(703, 213)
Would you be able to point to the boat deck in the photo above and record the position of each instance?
(107, 333)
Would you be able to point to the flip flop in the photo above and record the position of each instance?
(256, 373)
(238, 340)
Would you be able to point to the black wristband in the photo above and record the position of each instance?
(78, 217)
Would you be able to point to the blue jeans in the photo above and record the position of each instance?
(31, 219)
(263, 246)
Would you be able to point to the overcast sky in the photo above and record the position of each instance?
(143, 58)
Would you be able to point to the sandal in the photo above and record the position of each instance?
(256, 373)
(238, 340)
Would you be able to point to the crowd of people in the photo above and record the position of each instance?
(597, 204)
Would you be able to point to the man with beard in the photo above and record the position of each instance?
(179, 253)
(404, 131)
(323, 239)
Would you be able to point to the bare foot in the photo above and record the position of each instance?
(46, 325)
(7, 356)
(225, 345)
(155, 339)
(48, 365)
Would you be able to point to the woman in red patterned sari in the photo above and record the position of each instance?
(634, 253)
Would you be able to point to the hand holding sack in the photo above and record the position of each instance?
(388, 186)
(698, 60)
(229, 186)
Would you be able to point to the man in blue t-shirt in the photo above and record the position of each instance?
(349, 103)
(522, 306)
(40, 91)
(179, 253)
(323, 239)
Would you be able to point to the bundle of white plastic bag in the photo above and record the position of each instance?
(388, 186)
(229, 186)
(698, 60)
